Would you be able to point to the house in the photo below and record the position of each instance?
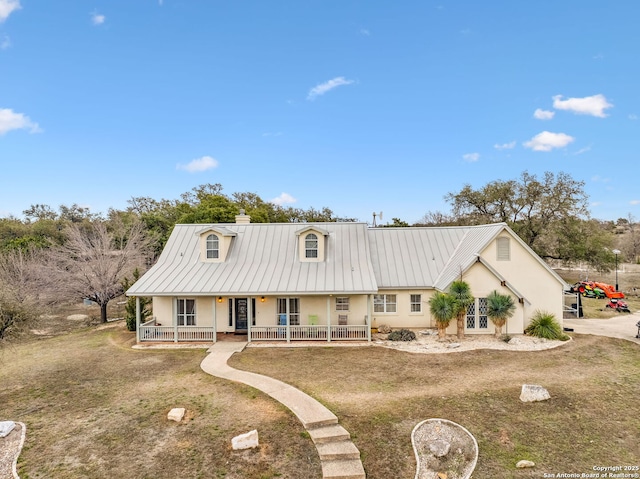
(334, 281)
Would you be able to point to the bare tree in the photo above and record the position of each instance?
(21, 289)
(95, 259)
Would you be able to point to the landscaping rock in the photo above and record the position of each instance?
(453, 345)
(533, 392)
(522, 464)
(245, 441)
(439, 448)
(514, 341)
(176, 414)
(6, 427)
(77, 317)
(384, 329)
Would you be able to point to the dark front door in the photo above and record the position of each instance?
(241, 314)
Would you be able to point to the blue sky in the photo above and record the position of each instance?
(358, 106)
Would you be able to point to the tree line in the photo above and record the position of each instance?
(52, 256)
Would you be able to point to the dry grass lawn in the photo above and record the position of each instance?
(95, 408)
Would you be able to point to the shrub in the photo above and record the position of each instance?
(402, 335)
(544, 325)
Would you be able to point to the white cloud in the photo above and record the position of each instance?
(505, 146)
(97, 19)
(589, 105)
(541, 114)
(5, 43)
(284, 198)
(323, 88)
(199, 164)
(365, 32)
(633, 116)
(634, 202)
(7, 7)
(600, 179)
(547, 141)
(471, 157)
(9, 120)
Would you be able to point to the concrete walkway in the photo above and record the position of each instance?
(621, 326)
(340, 458)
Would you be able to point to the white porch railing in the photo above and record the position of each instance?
(309, 333)
(149, 331)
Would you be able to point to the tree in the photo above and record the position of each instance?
(130, 306)
(500, 307)
(461, 292)
(21, 290)
(443, 310)
(94, 261)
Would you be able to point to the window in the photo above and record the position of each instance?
(213, 247)
(288, 311)
(384, 303)
(477, 314)
(311, 246)
(342, 304)
(503, 249)
(186, 312)
(416, 303)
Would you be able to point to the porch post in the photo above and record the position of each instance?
(175, 327)
(249, 316)
(329, 318)
(137, 319)
(215, 320)
(368, 321)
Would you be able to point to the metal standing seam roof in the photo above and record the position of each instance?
(262, 259)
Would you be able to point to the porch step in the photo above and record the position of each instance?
(343, 469)
(324, 434)
(331, 451)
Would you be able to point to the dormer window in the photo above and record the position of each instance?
(311, 246)
(213, 247)
(215, 243)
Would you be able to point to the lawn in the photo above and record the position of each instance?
(95, 408)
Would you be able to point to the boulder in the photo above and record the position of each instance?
(453, 345)
(524, 463)
(245, 441)
(439, 447)
(533, 392)
(384, 329)
(176, 414)
(6, 427)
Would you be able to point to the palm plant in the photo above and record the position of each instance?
(443, 310)
(500, 307)
(461, 292)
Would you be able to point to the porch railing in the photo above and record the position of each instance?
(309, 333)
(151, 332)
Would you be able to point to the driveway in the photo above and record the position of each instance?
(621, 326)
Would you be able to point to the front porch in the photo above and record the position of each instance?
(152, 331)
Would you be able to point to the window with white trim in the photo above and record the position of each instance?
(384, 303)
(213, 247)
(503, 249)
(311, 246)
(186, 312)
(416, 303)
(477, 314)
(342, 303)
(288, 310)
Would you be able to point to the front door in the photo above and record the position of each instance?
(242, 314)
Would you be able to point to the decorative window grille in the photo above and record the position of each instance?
(471, 316)
(311, 246)
(483, 322)
(416, 303)
(186, 312)
(384, 303)
(342, 303)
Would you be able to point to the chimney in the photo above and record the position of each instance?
(243, 219)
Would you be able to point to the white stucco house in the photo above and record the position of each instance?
(334, 281)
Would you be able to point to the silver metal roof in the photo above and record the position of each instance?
(263, 259)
